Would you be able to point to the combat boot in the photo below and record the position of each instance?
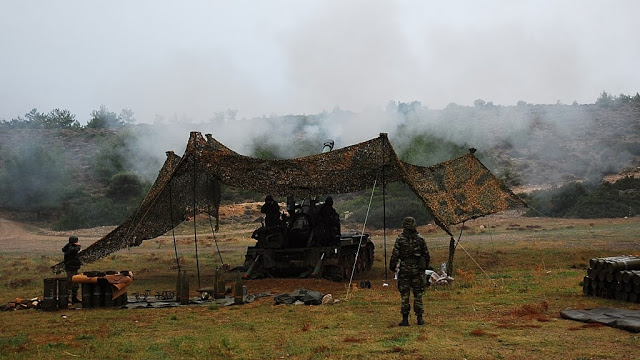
(405, 320)
(420, 321)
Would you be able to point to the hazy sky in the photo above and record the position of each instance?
(191, 59)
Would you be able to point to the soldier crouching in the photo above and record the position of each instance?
(411, 251)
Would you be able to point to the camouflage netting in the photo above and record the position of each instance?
(452, 191)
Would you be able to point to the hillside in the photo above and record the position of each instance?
(529, 146)
(78, 148)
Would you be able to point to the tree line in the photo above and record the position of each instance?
(64, 119)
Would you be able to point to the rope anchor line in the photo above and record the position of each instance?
(364, 225)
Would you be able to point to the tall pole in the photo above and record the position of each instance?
(195, 232)
(384, 208)
(173, 230)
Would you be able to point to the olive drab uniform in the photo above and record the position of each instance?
(411, 251)
(71, 266)
(271, 209)
(328, 221)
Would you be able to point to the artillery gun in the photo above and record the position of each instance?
(297, 247)
(301, 245)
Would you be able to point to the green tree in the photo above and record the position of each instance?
(509, 177)
(126, 117)
(125, 186)
(605, 100)
(35, 119)
(104, 119)
(479, 103)
(55, 119)
(111, 159)
(60, 119)
(427, 150)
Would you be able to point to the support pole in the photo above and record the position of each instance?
(175, 246)
(384, 222)
(213, 233)
(195, 232)
(384, 210)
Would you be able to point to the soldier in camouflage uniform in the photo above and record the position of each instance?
(71, 266)
(411, 251)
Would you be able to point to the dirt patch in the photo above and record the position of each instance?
(16, 238)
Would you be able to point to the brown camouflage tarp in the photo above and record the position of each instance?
(453, 191)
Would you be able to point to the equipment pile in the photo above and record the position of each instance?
(616, 277)
(22, 304)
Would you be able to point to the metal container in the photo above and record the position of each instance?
(122, 300)
(238, 297)
(179, 286)
(50, 299)
(97, 297)
(184, 289)
(628, 263)
(87, 289)
(219, 285)
(108, 295)
(63, 293)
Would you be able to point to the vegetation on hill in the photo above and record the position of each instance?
(587, 200)
(54, 170)
(67, 175)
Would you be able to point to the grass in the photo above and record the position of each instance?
(510, 287)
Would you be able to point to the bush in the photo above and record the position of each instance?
(125, 186)
(400, 202)
(587, 201)
(555, 202)
(111, 159)
(85, 211)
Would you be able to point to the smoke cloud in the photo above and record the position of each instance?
(182, 65)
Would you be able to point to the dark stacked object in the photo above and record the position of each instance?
(55, 294)
(616, 277)
(182, 288)
(100, 294)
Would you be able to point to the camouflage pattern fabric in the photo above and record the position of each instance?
(452, 192)
(72, 288)
(408, 249)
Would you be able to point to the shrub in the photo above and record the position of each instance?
(124, 186)
(400, 202)
(587, 201)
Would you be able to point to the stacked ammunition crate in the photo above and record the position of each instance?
(616, 277)
(99, 294)
(55, 294)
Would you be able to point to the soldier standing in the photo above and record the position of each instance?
(329, 222)
(71, 266)
(411, 251)
(271, 209)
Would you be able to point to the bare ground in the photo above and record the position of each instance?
(17, 237)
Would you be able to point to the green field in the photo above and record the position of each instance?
(513, 277)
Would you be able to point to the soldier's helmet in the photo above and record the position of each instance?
(409, 223)
(73, 239)
(268, 198)
(328, 200)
